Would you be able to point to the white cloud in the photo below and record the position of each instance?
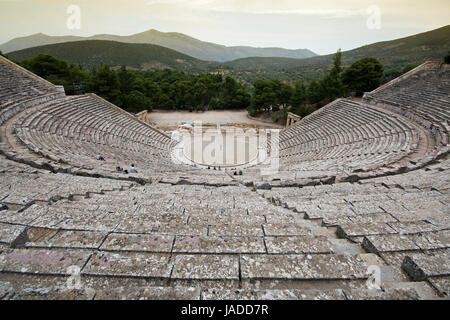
(267, 7)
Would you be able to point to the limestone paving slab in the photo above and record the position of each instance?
(103, 223)
(305, 266)
(298, 244)
(280, 218)
(416, 205)
(149, 293)
(74, 239)
(388, 243)
(421, 266)
(236, 230)
(10, 232)
(206, 267)
(227, 219)
(180, 229)
(411, 227)
(6, 290)
(373, 218)
(395, 258)
(442, 284)
(138, 242)
(47, 221)
(41, 261)
(213, 244)
(355, 230)
(386, 294)
(38, 237)
(201, 211)
(280, 229)
(274, 294)
(54, 293)
(433, 240)
(392, 206)
(121, 265)
(136, 226)
(366, 207)
(423, 214)
(24, 217)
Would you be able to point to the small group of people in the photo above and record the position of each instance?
(118, 169)
(240, 172)
(132, 169)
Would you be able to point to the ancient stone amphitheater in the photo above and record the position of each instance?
(359, 208)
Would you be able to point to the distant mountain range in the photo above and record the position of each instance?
(94, 53)
(176, 41)
(431, 45)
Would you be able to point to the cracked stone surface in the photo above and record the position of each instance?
(292, 294)
(138, 242)
(422, 266)
(149, 293)
(208, 267)
(133, 265)
(303, 267)
(213, 244)
(387, 243)
(298, 244)
(9, 232)
(72, 239)
(41, 261)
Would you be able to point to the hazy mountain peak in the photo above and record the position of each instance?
(173, 40)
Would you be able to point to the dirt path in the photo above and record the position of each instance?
(167, 119)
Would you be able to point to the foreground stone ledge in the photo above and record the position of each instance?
(54, 293)
(9, 233)
(6, 290)
(149, 293)
(422, 266)
(442, 284)
(128, 265)
(386, 294)
(43, 261)
(289, 294)
(388, 243)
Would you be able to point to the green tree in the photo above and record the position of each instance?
(284, 95)
(331, 84)
(363, 76)
(315, 92)
(126, 80)
(264, 96)
(105, 83)
(136, 101)
(298, 97)
(45, 65)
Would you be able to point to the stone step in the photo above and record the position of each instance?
(421, 266)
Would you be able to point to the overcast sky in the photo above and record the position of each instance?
(322, 26)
